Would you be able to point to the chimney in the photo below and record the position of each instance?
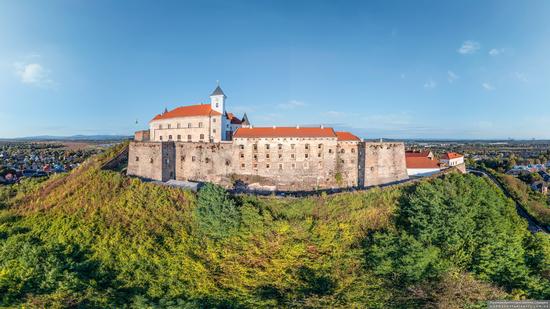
(274, 127)
(322, 126)
(297, 126)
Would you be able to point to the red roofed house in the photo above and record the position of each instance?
(419, 153)
(196, 123)
(421, 166)
(452, 159)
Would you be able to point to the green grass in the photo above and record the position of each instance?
(96, 238)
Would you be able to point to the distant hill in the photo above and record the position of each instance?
(95, 238)
(70, 138)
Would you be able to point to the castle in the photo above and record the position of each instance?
(206, 143)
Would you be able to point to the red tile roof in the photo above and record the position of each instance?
(417, 154)
(421, 162)
(451, 155)
(187, 111)
(346, 136)
(283, 132)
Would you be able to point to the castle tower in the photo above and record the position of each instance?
(217, 100)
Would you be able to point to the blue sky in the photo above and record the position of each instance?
(394, 69)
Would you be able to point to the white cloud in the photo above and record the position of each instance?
(292, 104)
(496, 51)
(451, 76)
(430, 84)
(334, 114)
(521, 77)
(469, 47)
(488, 86)
(33, 74)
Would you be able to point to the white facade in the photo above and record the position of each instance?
(422, 172)
(453, 162)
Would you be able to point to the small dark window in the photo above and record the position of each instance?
(137, 159)
(241, 146)
(266, 146)
(280, 166)
(280, 146)
(193, 158)
(330, 151)
(202, 136)
(267, 155)
(151, 160)
(242, 165)
(352, 150)
(320, 146)
(188, 137)
(255, 147)
(179, 137)
(169, 137)
(182, 158)
(267, 166)
(242, 155)
(207, 160)
(307, 146)
(161, 137)
(307, 156)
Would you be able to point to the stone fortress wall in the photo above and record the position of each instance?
(288, 164)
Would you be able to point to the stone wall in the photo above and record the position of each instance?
(151, 160)
(384, 163)
(289, 164)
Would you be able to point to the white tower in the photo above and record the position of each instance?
(217, 100)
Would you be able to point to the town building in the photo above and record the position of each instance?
(421, 166)
(205, 143)
(452, 159)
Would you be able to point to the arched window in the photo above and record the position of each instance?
(169, 137)
(179, 137)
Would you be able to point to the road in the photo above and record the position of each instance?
(534, 226)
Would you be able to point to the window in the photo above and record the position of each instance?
(214, 131)
(227, 162)
(178, 125)
(202, 136)
(242, 165)
(169, 126)
(242, 155)
(255, 165)
(179, 137)
(213, 119)
(137, 159)
(169, 137)
(306, 155)
(352, 150)
(182, 158)
(255, 157)
(266, 146)
(207, 160)
(255, 146)
(280, 166)
(330, 151)
(217, 105)
(280, 146)
(320, 146)
(291, 146)
(292, 156)
(280, 156)
(193, 158)
(267, 155)
(241, 147)
(161, 137)
(189, 125)
(293, 166)
(200, 124)
(189, 137)
(267, 165)
(160, 126)
(307, 146)
(343, 151)
(319, 155)
(151, 160)
(167, 161)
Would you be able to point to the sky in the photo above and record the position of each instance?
(381, 69)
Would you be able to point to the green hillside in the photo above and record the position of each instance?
(96, 238)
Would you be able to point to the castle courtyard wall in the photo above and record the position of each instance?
(289, 164)
(384, 163)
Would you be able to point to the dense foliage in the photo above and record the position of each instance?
(95, 238)
(534, 202)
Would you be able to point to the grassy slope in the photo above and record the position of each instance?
(96, 238)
